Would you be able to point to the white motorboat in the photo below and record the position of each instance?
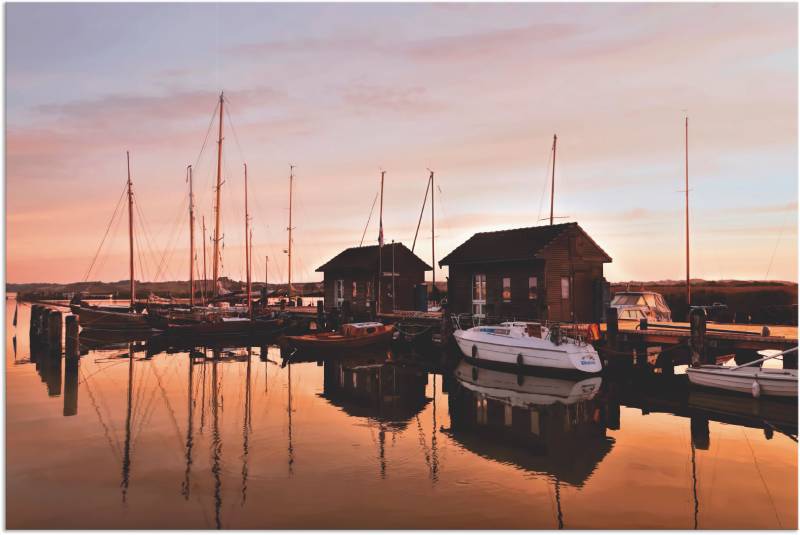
(528, 344)
(526, 390)
(748, 378)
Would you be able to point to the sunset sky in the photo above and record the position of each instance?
(474, 92)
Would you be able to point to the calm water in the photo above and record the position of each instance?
(180, 440)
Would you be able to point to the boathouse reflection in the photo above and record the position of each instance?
(376, 387)
(553, 426)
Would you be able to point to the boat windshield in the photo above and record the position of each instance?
(628, 300)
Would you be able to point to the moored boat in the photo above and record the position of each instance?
(528, 344)
(350, 336)
(749, 378)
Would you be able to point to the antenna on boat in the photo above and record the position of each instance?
(688, 281)
(191, 237)
(130, 228)
(380, 245)
(553, 179)
(247, 244)
(291, 183)
(219, 189)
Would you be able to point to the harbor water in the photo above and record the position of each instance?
(139, 436)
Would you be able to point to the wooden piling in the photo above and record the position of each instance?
(320, 316)
(612, 327)
(34, 321)
(697, 337)
(71, 339)
(54, 327)
(44, 325)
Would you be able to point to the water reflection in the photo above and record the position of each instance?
(189, 437)
(544, 425)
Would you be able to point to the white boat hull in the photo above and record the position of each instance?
(527, 351)
(770, 381)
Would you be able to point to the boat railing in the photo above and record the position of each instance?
(558, 332)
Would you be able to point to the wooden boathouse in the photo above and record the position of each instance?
(352, 276)
(549, 272)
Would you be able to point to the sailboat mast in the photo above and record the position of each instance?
(380, 246)
(130, 229)
(218, 207)
(291, 183)
(688, 282)
(247, 242)
(191, 239)
(433, 238)
(553, 179)
(205, 276)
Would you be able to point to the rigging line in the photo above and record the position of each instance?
(546, 181)
(761, 476)
(104, 257)
(233, 129)
(775, 249)
(114, 447)
(145, 227)
(108, 228)
(369, 218)
(208, 132)
(421, 212)
(168, 251)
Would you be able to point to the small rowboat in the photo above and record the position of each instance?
(748, 378)
(351, 335)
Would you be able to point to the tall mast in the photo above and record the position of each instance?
(205, 276)
(380, 246)
(247, 242)
(218, 207)
(433, 238)
(130, 228)
(688, 283)
(191, 239)
(291, 182)
(266, 277)
(553, 179)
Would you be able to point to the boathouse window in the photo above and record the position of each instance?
(338, 292)
(533, 288)
(506, 289)
(478, 294)
(564, 287)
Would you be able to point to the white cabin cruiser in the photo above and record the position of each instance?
(748, 378)
(528, 344)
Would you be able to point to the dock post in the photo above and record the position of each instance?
(71, 387)
(612, 327)
(320, 316)
(44, 325)
(71, 338)
(697, 337)
(346, 317)
(54, 329)
(35, 312)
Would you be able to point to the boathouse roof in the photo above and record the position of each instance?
(366, 258)
(514, 244)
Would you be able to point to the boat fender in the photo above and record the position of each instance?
(756, 389)
(474, 373)
(474, 351)
(520, 362)
(520, 379)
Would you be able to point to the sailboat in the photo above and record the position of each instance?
(116, 318)
(217, 320)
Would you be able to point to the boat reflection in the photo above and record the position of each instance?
(545, 425)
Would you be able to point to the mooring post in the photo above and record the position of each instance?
(54, 330)
(34, 320)
(346, 318)
(320, 316)
(697, 336)
(612, 327)
(71, 338)
(44, 325)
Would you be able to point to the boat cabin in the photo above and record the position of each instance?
(641, 305)
(550, 272)
(352, 276)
